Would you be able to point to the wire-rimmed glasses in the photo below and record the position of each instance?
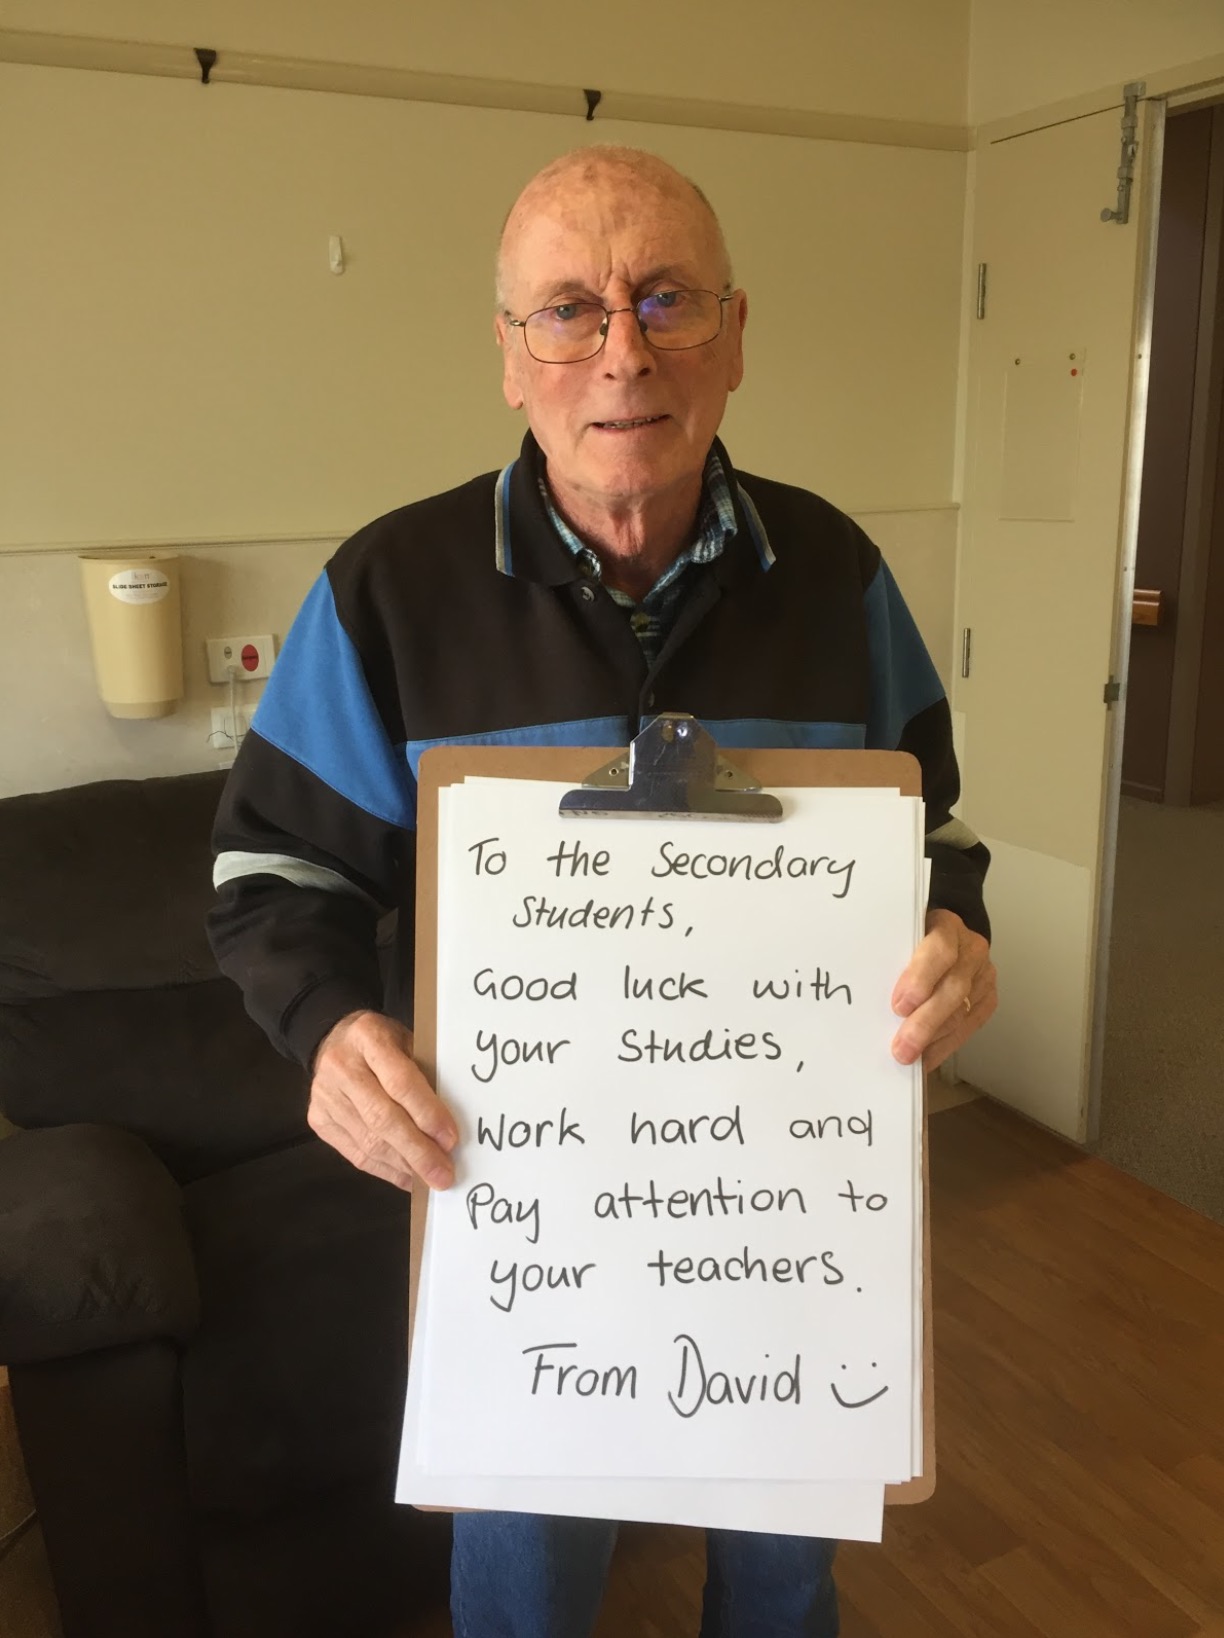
(572, 331)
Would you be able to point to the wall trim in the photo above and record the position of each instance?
(326, 537)
(409, 85)
(175, 543)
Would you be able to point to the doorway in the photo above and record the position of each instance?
(1162, 1092)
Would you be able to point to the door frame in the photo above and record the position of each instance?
(1183, 85)
(1148, 224)
(1194, 92)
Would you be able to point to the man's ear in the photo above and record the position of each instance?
(511, 390)
(737, 318)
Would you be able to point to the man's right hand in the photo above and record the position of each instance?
(369, 1100)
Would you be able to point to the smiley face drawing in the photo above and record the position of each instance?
(857, 1404)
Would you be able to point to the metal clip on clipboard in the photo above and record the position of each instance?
(672, 770)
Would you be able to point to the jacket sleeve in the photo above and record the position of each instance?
(313, 840)
(909, 712)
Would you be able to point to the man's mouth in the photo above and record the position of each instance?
(629, 426)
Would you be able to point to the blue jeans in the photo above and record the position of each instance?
(517, 1575)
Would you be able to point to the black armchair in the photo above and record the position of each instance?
(203, 1308)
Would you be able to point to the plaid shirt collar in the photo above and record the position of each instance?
(715, 527)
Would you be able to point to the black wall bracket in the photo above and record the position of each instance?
(593, 100)
(207, 60)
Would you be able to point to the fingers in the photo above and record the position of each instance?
(964, 1022)
(382, 1164)
(947, 992)
(935, 956)
(387, 1047)
(370, 1101)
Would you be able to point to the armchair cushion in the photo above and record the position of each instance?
(183, 1067)
(94, 1251)
(129, 859)
(111, 1005)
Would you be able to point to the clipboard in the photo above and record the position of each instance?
(735, 788)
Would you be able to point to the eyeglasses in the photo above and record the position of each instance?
(671, 320)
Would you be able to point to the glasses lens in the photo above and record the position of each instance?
(681, 318)
(566, 333)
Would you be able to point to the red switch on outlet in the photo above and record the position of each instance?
(243, 657)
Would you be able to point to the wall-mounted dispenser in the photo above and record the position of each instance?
(135, 627)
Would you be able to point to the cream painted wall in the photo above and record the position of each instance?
(182, 364)
(837, 56)
(55, 730)
(1023, 56)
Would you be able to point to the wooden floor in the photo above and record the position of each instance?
(1080, 1412)
(1079, 1338)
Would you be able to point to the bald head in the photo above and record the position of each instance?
(600, 186)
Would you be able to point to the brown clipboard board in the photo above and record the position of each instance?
(450, 765)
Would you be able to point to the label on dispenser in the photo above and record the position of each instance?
(139, 585)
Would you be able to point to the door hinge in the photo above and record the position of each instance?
(1113, 691)
(966, 650)
(981, 291)
(1132, 95)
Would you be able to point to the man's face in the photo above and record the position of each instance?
(615, 241)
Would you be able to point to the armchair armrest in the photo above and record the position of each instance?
(94, 1250)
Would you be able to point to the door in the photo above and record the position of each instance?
(1056, 365)
(1178, 520)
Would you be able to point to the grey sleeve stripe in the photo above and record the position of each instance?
(954, 834)
(499, 522)
(230, 866)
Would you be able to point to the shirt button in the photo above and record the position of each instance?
(587, 593)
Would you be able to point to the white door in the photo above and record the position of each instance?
(1054, 365)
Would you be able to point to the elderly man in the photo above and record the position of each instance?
(619, 566)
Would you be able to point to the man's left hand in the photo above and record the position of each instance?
(947, 992)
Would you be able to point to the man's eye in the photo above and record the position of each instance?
(667, 298)
(567, 310)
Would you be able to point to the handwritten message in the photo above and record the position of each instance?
(681, 1239)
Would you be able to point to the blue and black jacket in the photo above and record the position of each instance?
(463, 619)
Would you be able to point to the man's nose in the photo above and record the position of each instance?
(625, 346)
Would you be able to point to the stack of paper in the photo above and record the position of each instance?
(678, 1276)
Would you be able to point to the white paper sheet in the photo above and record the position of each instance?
(793, 1369)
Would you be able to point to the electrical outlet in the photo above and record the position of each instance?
(250, 657)
(222, 736)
